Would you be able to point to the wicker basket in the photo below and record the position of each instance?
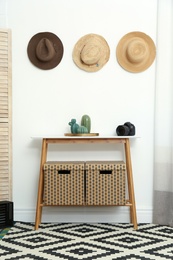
(105, 183)
(64, 183)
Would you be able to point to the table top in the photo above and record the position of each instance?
(85, 139)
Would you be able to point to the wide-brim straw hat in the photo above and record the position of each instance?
(45, 50)
(91, 52)
(135, 52)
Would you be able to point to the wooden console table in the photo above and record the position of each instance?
(85, 140)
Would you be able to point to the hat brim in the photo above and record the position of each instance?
(31, 50)
(104, 57)
(121, 52)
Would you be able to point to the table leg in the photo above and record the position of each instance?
(40, 185)
(133, 217)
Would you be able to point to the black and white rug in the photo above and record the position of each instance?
(75, 241)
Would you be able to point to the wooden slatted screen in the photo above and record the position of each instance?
(5, 116)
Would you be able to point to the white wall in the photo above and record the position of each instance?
(3, 14)
(45, 101)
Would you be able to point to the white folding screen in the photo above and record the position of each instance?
(5, 116)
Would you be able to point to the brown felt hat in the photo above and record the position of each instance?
(91, 52)
(45, 50)
(135, 52)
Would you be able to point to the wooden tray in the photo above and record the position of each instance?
(89, 134)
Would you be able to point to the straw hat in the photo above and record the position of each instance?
(135, 52)
(91, 52)
(45, 50)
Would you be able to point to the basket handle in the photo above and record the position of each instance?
(64, 172)
(105, 171)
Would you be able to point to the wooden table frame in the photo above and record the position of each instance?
(86, 140)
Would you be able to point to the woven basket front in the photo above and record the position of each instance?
(105, 183)
(63, 183)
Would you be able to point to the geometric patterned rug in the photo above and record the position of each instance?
(87, 241)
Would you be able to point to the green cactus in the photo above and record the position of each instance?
(86, 121)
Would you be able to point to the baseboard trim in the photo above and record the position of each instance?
(85, 214)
